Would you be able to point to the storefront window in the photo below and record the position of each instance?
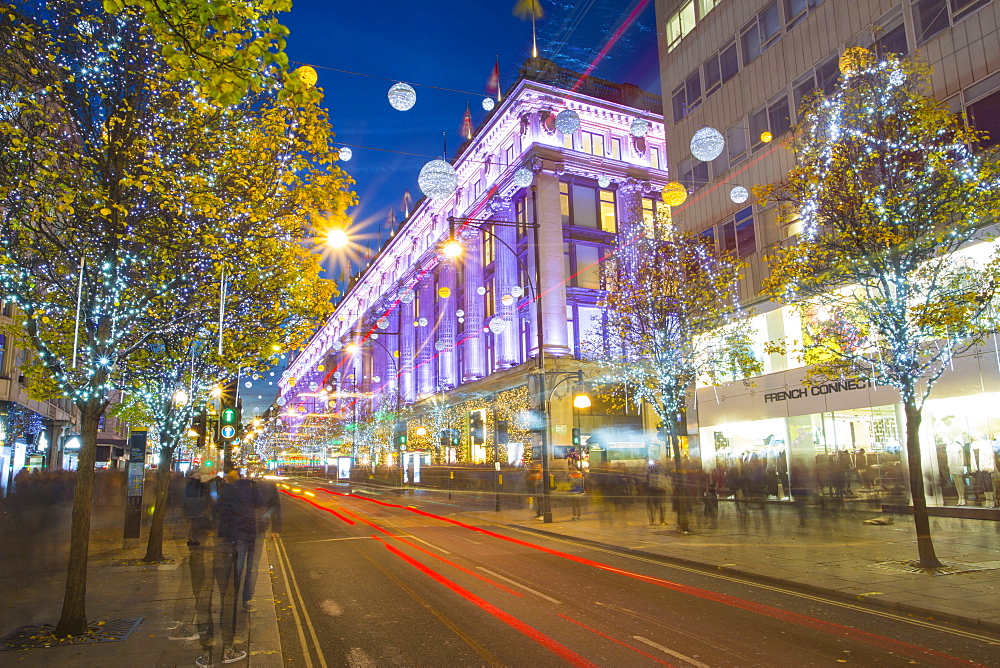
(965, 433)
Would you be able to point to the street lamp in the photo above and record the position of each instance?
(337, 238)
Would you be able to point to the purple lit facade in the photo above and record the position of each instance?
(428, 326)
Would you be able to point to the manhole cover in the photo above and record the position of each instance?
(40, 635)
(946, 569)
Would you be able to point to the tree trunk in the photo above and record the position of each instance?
(681, 493)
(73, 620)
(921, 521)
(154, 545)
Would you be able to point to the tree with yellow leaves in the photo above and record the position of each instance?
(672, 318)
(890, 194)
(128, 196)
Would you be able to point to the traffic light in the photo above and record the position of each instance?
(445, 438)
(399, 434)
(576, 436)
(199, 428)
(228, 422)
(502, 437)
(476, 432)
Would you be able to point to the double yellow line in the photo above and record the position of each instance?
(298, 607)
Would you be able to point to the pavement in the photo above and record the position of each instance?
(833, 554)
(121, 587)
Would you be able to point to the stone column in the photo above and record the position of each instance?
(407, 346)
(425, 336)
(472, 345)
(550, 255)
(505, 277)
(445, 340)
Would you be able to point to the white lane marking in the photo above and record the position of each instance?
(327, 540)
(518, 584)
(427, 544)
(676, 655)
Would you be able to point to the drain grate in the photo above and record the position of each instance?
(40, 635)
(905, 566)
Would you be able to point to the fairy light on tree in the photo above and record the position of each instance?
(889, 194)
(138, 186)
(671, 317)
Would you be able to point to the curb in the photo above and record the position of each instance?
(912, 610)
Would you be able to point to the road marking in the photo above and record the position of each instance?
(327, 540)
(760, 585)
(294, 607)
(430, 544)
(518, 584)
(667, 650)
(305, 613)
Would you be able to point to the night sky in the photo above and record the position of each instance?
(444, 44)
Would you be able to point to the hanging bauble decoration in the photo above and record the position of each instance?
(440, 345)
(336, 375)
(460, 313)
(248, 384)
(488, 103)
(603, 181)
(498, 325)
(707, 144)
(639, 127)
(438, 179)
(481, 290)
(382, 323)
(307, 76)
(507, 300)
(320, 368)
(345, 153)
(280, 401)
(406, 296)
(523, 177)
(313, 387)
(674, 194)
(292, 381)
(461, 320)
(444, 292)
(739, 194)
(567, 121)
(422, 322)
(402, 97)
(517, 291)
(374, 335)
(896, 78)
(854, 59)
(329, 388)
(766, 137)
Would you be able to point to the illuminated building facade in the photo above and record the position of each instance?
(462, 334)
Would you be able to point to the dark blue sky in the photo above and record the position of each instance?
(447, 44)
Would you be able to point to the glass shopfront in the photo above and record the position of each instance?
(965, 433)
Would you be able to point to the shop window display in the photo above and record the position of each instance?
(965, 432)
(749, 457)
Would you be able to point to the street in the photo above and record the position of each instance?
(376, 579)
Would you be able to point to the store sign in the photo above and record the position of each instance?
(817, 390)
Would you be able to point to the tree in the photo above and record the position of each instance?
(890, 194)
(672, 317)
(112, 221)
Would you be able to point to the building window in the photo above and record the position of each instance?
(564, 206)
(693, 173)
(796, 10)
(615, 149)
(583, 265)
(687, 96)
(654, 157)
(932, 16)
(891, 39)
(489, 247)
(984, 115)
(773, 118)
(609, 219)
(763, 31)
(736, 143)
(584, 203)
(568, 141)
(679, 24)
(593, 143)
(738, 236)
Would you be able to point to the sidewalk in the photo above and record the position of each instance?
(119, 587)
(836, 555)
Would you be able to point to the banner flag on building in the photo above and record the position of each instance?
(467, 123)
(493, 83)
